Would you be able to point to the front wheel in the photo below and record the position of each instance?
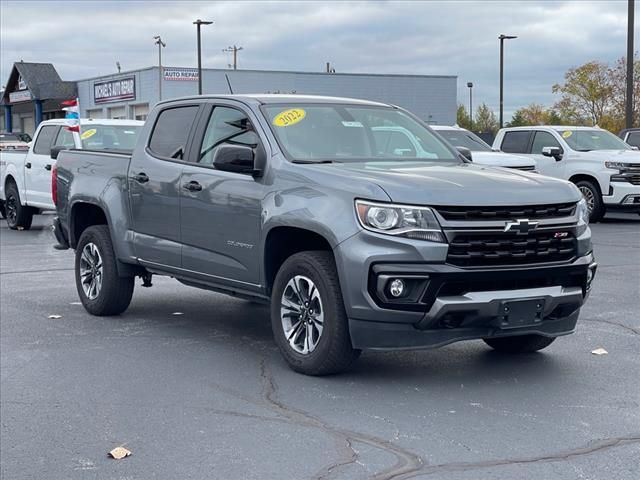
(520, 343)
(593, 197)
(101, 290)
(308, 318)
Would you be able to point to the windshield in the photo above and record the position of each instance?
(109, 137)
(595, 139)
(464, 138)
(341, 133)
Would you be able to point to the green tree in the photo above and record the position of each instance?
(485, 121)
(462, 117)
(535, 114)
(587, 92)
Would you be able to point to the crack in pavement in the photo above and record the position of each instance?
(594, 447)
(406, 462)
(617, 324)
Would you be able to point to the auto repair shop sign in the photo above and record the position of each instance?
(180, 74)
(115, 90)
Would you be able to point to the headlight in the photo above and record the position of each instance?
(616, 165)
(583, 211)
(401, 220)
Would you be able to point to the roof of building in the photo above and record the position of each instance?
(41, 79)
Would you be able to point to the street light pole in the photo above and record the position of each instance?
(470, 85)
(502, 38)
(161, 45)
(198, 23)
(630, 62)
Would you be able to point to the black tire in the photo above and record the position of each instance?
(115, 293)
(333, 353)
(520, 343)
(3, 212)
(17, 215)
(592, 194)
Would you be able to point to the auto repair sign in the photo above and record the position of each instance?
(188, 74)
(114, 90)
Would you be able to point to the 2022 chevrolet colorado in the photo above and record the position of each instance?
(291, 200)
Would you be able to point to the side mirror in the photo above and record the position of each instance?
(555, 152)
(239, 159)
(55, 151)
(466, 153)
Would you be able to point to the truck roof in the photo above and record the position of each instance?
(96, 121)
(276, 98)
(554, 127)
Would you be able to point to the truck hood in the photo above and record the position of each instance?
(421, 183)
(501, 159)
(626, 156)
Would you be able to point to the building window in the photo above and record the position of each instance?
(140, 112)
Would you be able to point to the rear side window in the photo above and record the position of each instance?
(543, 139)
(45, 140)
(634, 139)
(515, 142)
(171, 132)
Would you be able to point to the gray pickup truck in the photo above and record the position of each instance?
(356, 243)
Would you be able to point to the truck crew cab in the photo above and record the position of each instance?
(290, 200)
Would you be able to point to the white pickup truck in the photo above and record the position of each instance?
(601, 165)
(25, 176)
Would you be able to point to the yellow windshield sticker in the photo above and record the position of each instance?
(289, 117)
(567, 134)
(88, 134)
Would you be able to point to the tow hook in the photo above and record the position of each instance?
(146, 280)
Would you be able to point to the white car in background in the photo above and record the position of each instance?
(601, 165)
(12, 141)
(481, 152)
(25, 175)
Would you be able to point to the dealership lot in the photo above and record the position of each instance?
(192, 383)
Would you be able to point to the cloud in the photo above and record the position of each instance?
(84, 39)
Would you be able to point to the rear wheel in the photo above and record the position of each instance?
(3, 212)
(19, 217)
(101, 290)
(593, 197)
(519, 344)
(308, 319)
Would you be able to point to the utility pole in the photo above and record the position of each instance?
(161, 45)
(502, 38)
(235, 51)
(630, 62)
(470, 85)
(198, 23)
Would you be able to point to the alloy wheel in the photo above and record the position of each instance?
(91, 271)
(302, 314)
(11, 210)
(589, 197)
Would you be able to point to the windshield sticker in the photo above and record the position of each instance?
(88, 134)
(567, 134)
(289, 117)
(129, 132)
(353, 124)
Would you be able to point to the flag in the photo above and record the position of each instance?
(72, 115)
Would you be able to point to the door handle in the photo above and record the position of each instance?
(192, 186)
(141, 177)
(27, 165)
(47, 166)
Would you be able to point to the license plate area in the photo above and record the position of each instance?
(521, 313)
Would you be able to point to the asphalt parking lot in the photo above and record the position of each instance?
(191, 382)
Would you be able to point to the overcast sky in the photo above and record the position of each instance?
(84, 39)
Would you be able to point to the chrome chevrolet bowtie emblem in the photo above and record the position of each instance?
(522, 226)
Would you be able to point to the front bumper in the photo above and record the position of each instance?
(623, 196)
(448, 303)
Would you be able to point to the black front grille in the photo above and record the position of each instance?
(634, 179)
(507, 213)
(496, 248)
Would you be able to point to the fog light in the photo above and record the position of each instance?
(396, 288)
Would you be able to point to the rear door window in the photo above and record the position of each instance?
(541, 140)
(516, 141)
(171, 132)
(45, 139)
